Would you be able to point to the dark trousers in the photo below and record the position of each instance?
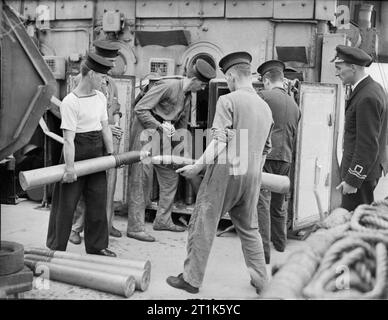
(272, 211)
(66, 196)
(364, 195)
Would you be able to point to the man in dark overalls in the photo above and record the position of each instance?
(271, 208)
(365, 134)
(86, 135)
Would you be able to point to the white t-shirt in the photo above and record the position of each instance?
(83, 114)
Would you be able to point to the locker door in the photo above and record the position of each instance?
(126, 97)
(315, 152)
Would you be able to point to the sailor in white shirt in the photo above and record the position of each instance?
(86, 135)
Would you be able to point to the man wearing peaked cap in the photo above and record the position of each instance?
(272, 212)
(365, 132)
(97, 63)
(202, 71)
(107, 50)
(292, 78)
(234, 58)
(352, 55)
(292, 74)
(271, 65)
(160, 112)
(86, 135)
(228, 187)
(290, 69)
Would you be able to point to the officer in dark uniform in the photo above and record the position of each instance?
(365, 133)
(272, 211)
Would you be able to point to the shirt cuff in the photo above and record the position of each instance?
(354, 176)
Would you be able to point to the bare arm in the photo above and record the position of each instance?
(107, 137)
(68, 148)
(68, 155)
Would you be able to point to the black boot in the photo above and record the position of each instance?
(179, 283)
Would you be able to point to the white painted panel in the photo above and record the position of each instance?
(157, 9)
(124, 6)
(201, 8)
(314, 152)
(66, 9)
(293, 9)
(249, 9)
(125, 87)
(35, 9)
(64, 43)
(325, 9)
(379, 72)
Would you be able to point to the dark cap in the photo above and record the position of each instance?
(352, 55)
(106, 49)
(234, 58)
(203, 71)
(290, 69)
(97, 63)
(292, 74)
(271, 65)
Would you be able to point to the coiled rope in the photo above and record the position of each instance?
(355, 265)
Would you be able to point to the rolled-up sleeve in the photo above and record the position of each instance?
(69, 115)
(223, 121)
